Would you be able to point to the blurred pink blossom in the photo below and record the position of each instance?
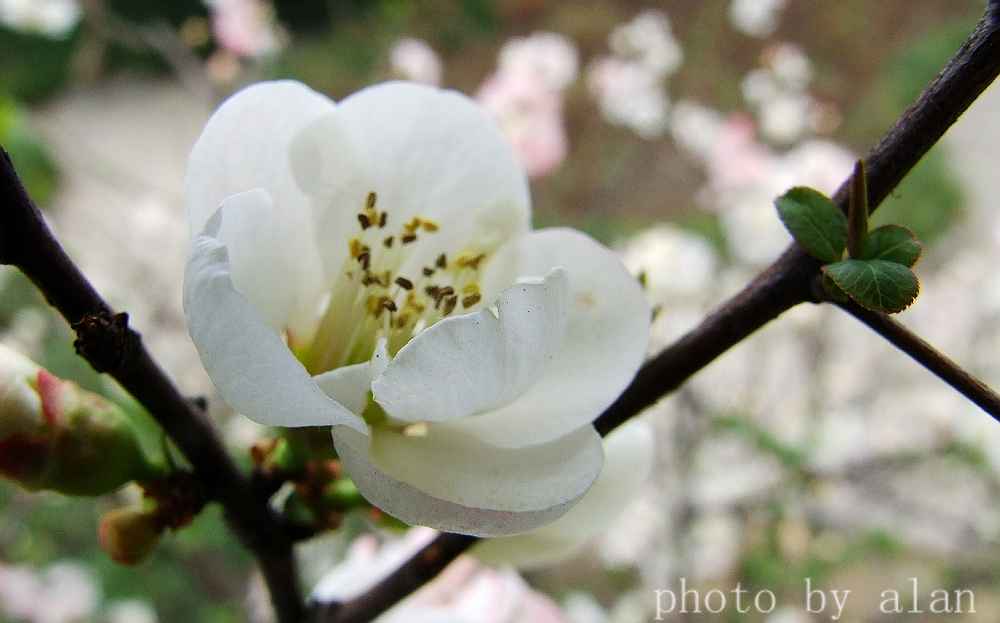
(246, 28)
(415, 60)
(530, 115)
(466, 592)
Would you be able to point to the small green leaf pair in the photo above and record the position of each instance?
(877, 272)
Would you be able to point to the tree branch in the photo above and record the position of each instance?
(927, 356)
(105, 340)
(786, 283)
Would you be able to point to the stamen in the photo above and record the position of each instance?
(388, 241)
(404, 283)
(370, 200)
(383, 219)
(408, 238)
(449, 305)
(471, 300)
(429, 226)
(365, 221)
(428, 272)
(442, 261)
(355, 247)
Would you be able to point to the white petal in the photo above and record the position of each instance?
(425, 152)
(628, 462)
(245, 146)
(605, 342)
(349, 385)
(473, 363)
(257, 242)
(249, 363)
(454, 482)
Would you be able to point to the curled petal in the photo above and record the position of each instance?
(451, 481)
(605, 343)
(470, 364)
(247, 360)
(628, 462)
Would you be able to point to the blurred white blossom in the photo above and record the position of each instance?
(630, 84)
(757, 18)
(64, 592)
(549, 57)
(52, 18)
(414, 59)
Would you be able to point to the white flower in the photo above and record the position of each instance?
(415, 60)
(52, 18)
(371, 268)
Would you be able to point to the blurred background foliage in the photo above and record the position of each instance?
(869, 61)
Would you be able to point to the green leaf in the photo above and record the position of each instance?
(814, 221)
(878, 285)
(892, 243)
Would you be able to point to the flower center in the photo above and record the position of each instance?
(371, 298)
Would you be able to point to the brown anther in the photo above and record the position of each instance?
(449, 304)
(365, 221)
(428, 271)
(432, 291)
(369, 279)
(447, 291)
(383, 218)
(429, 226)
(408, 238)
(471, 300)
(388, 241)
(404, 283)
(442, 261)
(365, 259)
(389, 304)
(371, 200)
(402, 320)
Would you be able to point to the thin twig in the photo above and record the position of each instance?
(786, 283)
(927, 356)
(105, 340)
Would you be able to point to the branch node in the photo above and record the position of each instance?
(105, 340)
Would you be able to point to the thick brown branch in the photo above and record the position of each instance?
(107, 342)
(927, 356)
(783, 285)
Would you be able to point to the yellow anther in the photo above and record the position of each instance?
(470, 261)
(471, 288)
(429, 226)
(370, 200)
(413, 225)
(356, 247)
(471, 300)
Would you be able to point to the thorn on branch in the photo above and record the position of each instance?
(105, 340)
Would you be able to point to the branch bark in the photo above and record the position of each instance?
(929, 357)
(105, 340)
(786, 283)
